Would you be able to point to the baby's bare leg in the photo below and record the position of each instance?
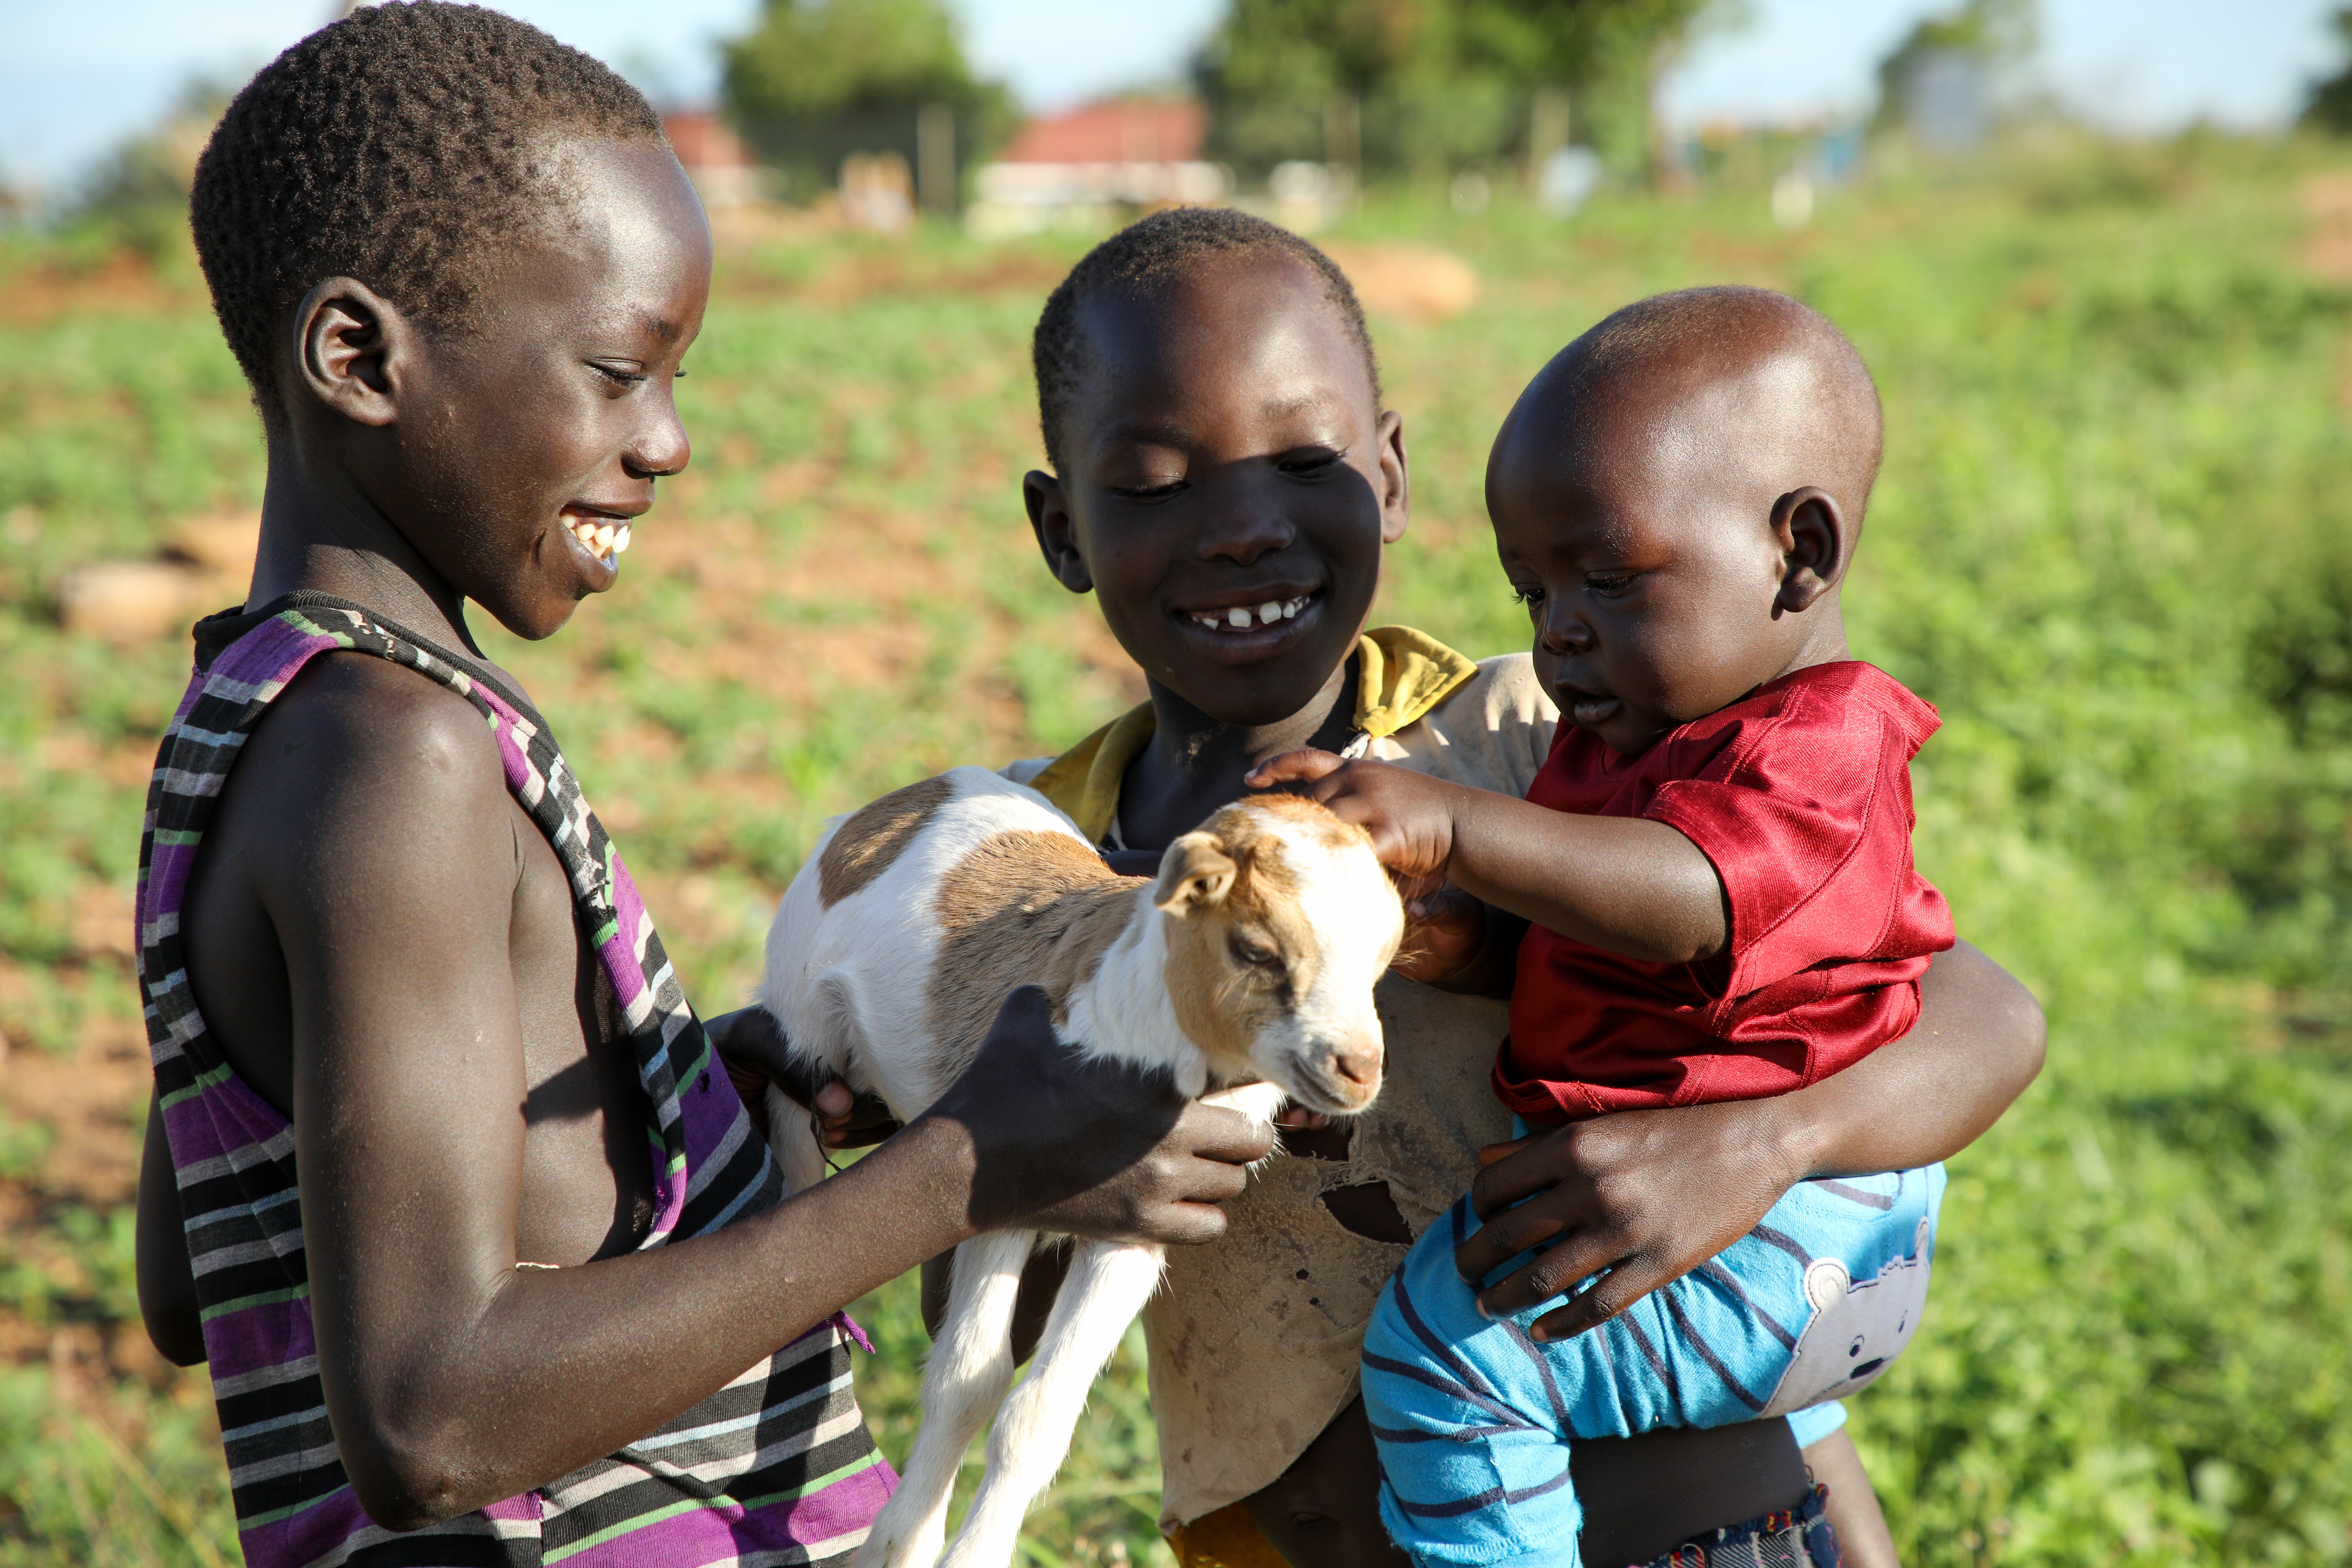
(1853, 1510)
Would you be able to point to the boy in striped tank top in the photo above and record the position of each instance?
(444, 1178)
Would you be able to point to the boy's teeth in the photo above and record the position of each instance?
(1242, 619)
(602, 540)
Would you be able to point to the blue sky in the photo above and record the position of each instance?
(76, 77)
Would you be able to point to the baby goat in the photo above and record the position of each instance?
(1245, 972)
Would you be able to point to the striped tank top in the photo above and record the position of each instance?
(777, 1467)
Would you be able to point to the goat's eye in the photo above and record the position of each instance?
(1250, 950)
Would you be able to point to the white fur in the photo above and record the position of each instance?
(852, 986)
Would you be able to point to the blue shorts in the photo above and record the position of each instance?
(1473, 1419)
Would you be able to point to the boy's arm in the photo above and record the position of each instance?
(453, 1378)
(167, 1285)
(1624, 884)
(1648, 1195)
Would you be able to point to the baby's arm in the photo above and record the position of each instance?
(1624, 884)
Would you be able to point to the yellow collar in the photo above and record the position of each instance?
(1401, 674)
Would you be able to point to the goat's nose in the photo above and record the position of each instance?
(1358, 1065)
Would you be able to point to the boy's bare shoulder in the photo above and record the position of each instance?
(353, 733)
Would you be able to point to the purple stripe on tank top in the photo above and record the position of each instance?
(226, 1109)
(168, 878)
(718, 1534)
(268, 1333)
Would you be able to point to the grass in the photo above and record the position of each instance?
(2112, 543)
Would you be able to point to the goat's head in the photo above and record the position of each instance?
(1280, 922)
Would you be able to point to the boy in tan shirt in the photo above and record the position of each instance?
(1223, 477)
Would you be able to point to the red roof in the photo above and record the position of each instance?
(702, 141)
(1122, 130)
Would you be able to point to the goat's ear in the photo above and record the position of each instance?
(1195, 874)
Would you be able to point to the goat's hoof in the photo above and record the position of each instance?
(919, 1549)
(966, 1551)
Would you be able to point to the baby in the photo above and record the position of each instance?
(1715, 861)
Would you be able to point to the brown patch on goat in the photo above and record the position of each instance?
(1315, 818)
(875, 836)
(1022, 908)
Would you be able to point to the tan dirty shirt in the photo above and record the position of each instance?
(1254, 1338)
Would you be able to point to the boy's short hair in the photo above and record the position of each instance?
(397, 146)
(1143, 257)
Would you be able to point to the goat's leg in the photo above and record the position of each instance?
(793, 1142)
(1107, 1285)
(970, 1367)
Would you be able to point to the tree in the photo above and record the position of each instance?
(2330, 108)
(819, 79)
(1943, 70)
(137, 195)
(1435, 82)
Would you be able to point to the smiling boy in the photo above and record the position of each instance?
(442, 1177)
(1217, 444)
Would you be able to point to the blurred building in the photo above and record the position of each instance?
(1948, 99)
(723, 171)
(1091, 167)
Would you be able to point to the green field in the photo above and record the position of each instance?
(2112, 543)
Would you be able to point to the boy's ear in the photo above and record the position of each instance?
(1396, 479)
(1057, 531)
(1815, 543)
(351, 350)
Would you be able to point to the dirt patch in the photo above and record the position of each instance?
(124, 282)
(2327, 202)
(850, 607)
(89, 1098)
(848, 276)
(1411, 282)
(1735, 259)
(203, 563)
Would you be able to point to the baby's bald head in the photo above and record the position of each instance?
(1752, 374)
(1677, 496)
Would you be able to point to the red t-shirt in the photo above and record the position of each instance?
(1801, 794)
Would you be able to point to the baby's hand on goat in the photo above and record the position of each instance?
(1410, 816)
(1090, 1146)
